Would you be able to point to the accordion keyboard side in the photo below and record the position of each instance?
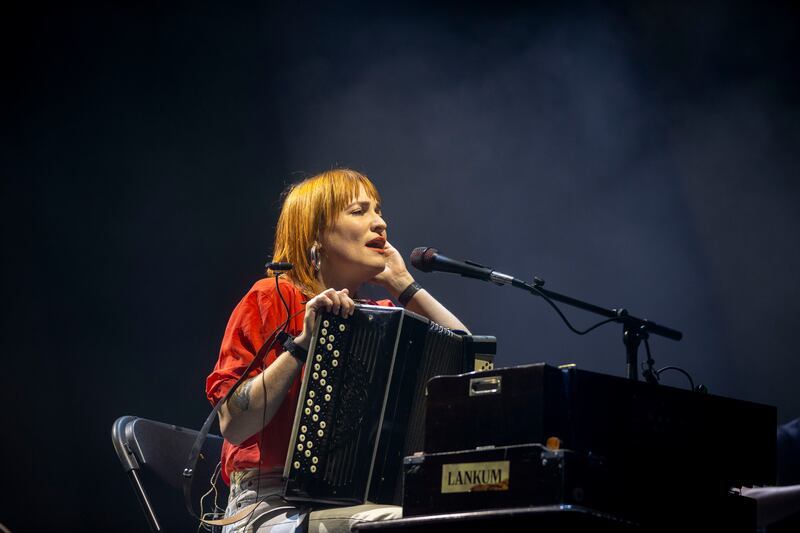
(340, 406)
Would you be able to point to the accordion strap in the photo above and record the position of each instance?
(194, 454)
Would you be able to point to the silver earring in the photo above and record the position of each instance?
(315, 259)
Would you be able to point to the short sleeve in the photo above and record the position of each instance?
(255, 320)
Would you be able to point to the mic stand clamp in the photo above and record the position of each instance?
(649, 371)
(632, 336)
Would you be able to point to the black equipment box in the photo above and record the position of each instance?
(508, 476)
(511, 479)
(660, 444)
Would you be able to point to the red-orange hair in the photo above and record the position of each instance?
(309, 209)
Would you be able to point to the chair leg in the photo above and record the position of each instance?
(144, 501)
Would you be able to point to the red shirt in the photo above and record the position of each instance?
(258, 315)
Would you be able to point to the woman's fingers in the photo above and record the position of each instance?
(337, 302)
(348, 305)
(324, 301)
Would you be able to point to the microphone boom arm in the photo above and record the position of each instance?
(621, 314)
(634, 329)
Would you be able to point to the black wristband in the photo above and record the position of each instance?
(298, 352)
(409, 293)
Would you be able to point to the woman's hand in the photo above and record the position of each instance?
(337, 302)
(395, 277)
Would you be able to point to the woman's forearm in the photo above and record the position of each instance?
(244, 414)
(425, 304)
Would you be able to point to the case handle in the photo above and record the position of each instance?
(485, 385)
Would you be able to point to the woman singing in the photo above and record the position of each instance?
(332, 230)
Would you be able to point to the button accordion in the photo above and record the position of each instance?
(361, 404)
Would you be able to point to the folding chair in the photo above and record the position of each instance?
(154, 455)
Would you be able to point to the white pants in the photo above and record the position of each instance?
(276, 515)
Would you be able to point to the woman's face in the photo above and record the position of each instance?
(354, 247)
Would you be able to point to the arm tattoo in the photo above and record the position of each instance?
(241, 397)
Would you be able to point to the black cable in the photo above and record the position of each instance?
(285, 326)
(194, 454)
(203, 433)
(682, 371)
(564, 318)
(282, 327)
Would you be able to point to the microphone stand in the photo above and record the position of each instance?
(634, 330)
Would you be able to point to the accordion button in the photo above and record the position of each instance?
(297, 464)
(307, 410)
(300, 447)
(324, 331)
(331, 338)
(303, 428)
(314, 417)
(322, 382)
(313, 469)
(336, 353)
(316, 366)
(319, 357)
(315, 375)
(320, 433)
(310, 445)
(329, 388)
(322, 340)
(322, 424)
(324, 373)
(311, 394)
(327, 397)
(326, 323)
(341, 327)
(302, 437)
(316, 409)
(335, 362)
(315, 459)
(308, 453)
(309, 402)
(329, 347)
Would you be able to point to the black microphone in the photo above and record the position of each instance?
(279, 266)
(430, 260)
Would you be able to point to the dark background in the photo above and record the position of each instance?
(636, 154)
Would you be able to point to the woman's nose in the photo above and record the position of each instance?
(379, 224)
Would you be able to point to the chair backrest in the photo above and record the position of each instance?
(154, 454)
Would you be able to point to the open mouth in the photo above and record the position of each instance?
(377, 244)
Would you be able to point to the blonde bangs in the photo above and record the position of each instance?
(311, 207)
